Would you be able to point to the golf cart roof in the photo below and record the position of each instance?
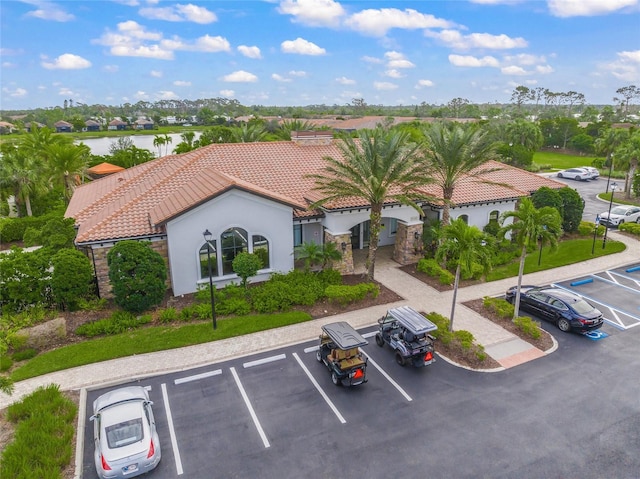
(412, 320)
(343, 335)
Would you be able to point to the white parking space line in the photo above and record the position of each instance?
(320, 390)
(196, 377)
(258, 362)
(610, 274)
(172, 432)
(311, 349)
(370, 334)
(263, 436)
(382, 371)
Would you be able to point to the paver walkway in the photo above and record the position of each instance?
(500, 344)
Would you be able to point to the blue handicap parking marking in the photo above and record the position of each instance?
(595, 335)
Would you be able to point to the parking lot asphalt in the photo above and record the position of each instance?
(499, 343)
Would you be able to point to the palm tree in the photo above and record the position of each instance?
(629, 154)
(453, 151)
(22, 173)
(529, 226)
(289, 126)
(67, 165)
(158, 141)
(249, 133)
(381, 167)
(464, 245)
(607, 143)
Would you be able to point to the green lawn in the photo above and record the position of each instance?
(568, 252)
(561, 161)
(147, 340)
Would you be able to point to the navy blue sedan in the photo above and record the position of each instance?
(569, 311)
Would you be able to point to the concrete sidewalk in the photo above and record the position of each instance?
(500, 344)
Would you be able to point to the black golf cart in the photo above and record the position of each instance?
(407, 332)
(338, 350)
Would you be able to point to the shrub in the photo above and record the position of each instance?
(329, 276)
(500, 306)
(272, 296)
(586, 228)
(72, 278)
(528, 326)
(119, 322)
(492, 228)
(446, 277)
(465, 338)
(24, 354)
(345, 294)
(137, 274)
(633, 228)
(188, 313)
(429, 266)
(246, 265)
(93, 304)
(168, 315)
(5, 363)
(25, 280)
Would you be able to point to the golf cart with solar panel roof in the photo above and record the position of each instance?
(407, 332)
(339, 352)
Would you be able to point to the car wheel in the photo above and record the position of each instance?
(335, 379)
(638, 220)
(379, 340)
(621, 222)
(400, 359)
(319, 356)
(564, 325)
(560, 175)
(577, 178)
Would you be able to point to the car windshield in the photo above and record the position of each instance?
(619, 210)
(124, 433)
(582, 307)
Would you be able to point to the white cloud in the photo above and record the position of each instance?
(471, 61)
(345, 81)
(298, 73)
(378, 22)
(141, 95)
(314, 13)
(46, 10)
(212, 44)
(280, 78)
(111, 68)
(8, 65)
(250, 52)
(424, 83)
(179, 13)
(626, 67)
(374, 60)
(383, 85)
(397, 60)
(301, 47)
(524, 59)
(155, 73)
(182, 83)
(227, 93)
(454, 39)
(152, 51)
(545, 69)
(67, 61)
(66, 92)
(166, 95)
(240, 76)
(393, 73)
(514, 70)
(17, 93)
(587, 8)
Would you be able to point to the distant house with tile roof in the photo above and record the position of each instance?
(6, 127)
(255, 197)
(117, 124)
(143, 124)
(63, 126)
(103, 169)
(91, 125)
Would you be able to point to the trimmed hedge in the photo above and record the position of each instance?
(345, 294)
(633, 228)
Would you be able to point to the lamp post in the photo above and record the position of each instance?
(207, 237)
(614, 186)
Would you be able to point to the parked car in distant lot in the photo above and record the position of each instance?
(595, 172)
(580, 174)
(621, 214)
(126, 441)
(569, 311)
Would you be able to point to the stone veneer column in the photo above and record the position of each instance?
(345, 266)
(408, 249)
(102, 268)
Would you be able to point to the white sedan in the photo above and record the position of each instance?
(621, 214)
(580, 174)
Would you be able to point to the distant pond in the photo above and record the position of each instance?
(100, 146)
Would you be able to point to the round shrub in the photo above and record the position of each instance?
(72, 278)
(446, 277)
(138, 275)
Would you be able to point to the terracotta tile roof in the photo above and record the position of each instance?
(104, 169)
(138, 201)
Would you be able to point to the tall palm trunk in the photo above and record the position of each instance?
(374, 235)
(455, 295)
(516, 306)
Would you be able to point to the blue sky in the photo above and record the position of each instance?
(303, 52)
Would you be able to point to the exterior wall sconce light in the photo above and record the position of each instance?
(416, 235)
(343, 245)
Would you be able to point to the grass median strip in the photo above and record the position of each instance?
(151, 339)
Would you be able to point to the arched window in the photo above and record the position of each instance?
(261, 249)
(493, 216)
(464, 218)
(233, 241)
(204, 260)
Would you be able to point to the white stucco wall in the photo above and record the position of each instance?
(257, 215)
(479, 214)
